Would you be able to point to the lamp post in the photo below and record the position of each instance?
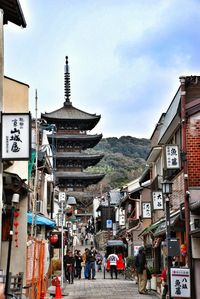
(167, 190)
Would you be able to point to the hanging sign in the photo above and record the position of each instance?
(157, 200)
(172, 156)
(146, 210)
(15, 136)
(108, 223)
(180, 283)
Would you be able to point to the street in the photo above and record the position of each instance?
(104, 289)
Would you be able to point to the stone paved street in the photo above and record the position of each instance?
(104, 289)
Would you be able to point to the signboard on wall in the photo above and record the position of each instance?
(180, 283)
(146, 210)
(157, 200)
(172, 156)
(15, 136)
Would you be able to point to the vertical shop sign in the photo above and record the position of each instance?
(157, 200)
(180, 283)
(15, 136)
(172, 156)
(146, 210)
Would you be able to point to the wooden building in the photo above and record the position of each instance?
(70, 142)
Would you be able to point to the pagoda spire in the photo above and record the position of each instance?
(67, 91)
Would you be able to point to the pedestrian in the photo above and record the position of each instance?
(113, 258)
(86, 239)
(164, 282)
(78, 262)
(141, 265)
(92, 259)
(82, 239)
(2, 291)
(85, 258)
(99, 259)
(69, 266)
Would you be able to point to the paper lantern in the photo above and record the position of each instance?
(183, 249)
(54, 239)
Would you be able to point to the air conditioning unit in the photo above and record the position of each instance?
(39, 206)
(194, 222)
(121, 220)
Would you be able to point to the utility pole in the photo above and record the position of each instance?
(33, 224)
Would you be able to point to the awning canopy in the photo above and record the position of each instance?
(40, 220)
(161, 229)
(150, 228)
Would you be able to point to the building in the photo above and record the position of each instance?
(175, 156)
(71, 141)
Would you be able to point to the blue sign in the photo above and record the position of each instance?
(109, 223)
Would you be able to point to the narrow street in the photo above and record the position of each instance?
(104, 289)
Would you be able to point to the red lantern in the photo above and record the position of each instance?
(16, 214)
(54, 239)
(183, 249)
(16, 224)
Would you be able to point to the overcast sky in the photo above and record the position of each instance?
(125, 57)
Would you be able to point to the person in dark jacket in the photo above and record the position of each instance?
(141, 265)
(78, 261)
(92, 259)
(69, 266)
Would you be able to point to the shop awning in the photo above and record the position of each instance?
(40, 220)
(150, 228)
(161, 229)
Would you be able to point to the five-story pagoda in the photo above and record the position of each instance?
(70, 141)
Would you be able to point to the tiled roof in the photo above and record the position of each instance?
(71, 113)
(76, 155)
(13, 12)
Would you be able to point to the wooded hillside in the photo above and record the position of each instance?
(124, 159)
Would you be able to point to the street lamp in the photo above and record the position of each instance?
(167, 190)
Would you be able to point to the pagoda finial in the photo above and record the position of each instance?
(67, 92)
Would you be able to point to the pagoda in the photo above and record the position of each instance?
(70, 142)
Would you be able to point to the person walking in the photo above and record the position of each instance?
(85, 258)
(141, 265)
(164, 283)
(92, 259)
(113, 258)
(99, 259)
(78, 262)
(69, 266)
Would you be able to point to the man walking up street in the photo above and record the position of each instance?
(92, 259)
(113, 258)
(141, 265)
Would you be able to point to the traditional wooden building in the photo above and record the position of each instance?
(70, 142)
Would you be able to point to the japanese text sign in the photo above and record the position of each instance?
(172, 156)
(146, 210)
(180, 282)
(16, 136)
(157, 200)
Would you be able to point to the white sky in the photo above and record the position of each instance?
(125, 57)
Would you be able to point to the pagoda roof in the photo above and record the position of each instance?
(69, 112)
(85, 141)
(75, 155)
(85, 178)
(76, 137)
